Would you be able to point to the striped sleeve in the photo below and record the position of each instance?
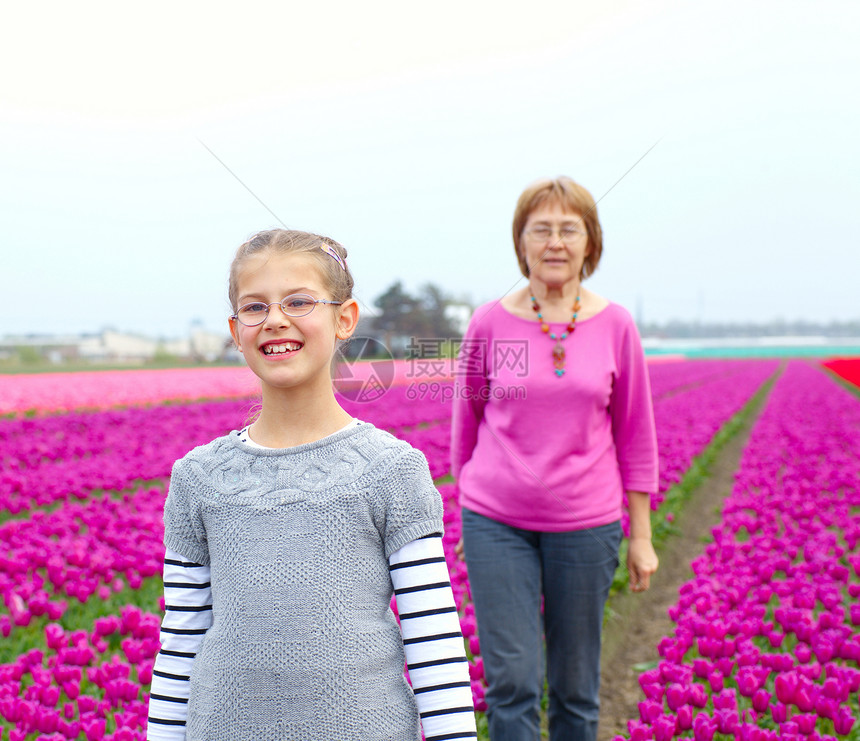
(187, 617)
(432, 640)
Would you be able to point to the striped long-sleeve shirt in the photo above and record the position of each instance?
(432, 642)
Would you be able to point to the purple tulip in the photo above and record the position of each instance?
(775, 638)
(826, 707)
(715, 679)
(639, 731)
(725, 700)
(476, 669)
(790, 731)
(761, 700)
(805, 722)
(779, 712)
(748, 682)
(685, 718)
(697, 696)
(843, 722)
(786, 687)
(702, 668)
(704, 727)
(664, 728)
(804, 696)
(676, 696)
(727, 721)
(649, 711)
(95, 730)
(653, 691)
(475, 645)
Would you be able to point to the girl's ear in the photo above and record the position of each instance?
(347, 319)
(234, 332)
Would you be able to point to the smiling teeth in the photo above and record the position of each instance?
(281, 349)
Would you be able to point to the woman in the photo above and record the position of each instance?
(553, 425)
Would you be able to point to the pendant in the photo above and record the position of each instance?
(558, 356)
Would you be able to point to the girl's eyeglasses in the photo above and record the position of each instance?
(297, 304)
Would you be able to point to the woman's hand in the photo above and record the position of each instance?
(641, 559)
(642, 562)
(458, 549)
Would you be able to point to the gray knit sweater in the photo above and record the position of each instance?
(303, 643)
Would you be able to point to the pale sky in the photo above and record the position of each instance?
(407, 132)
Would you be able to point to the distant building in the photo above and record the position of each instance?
(52, 348)
(111, 346)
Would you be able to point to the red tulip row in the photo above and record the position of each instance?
(847, 368)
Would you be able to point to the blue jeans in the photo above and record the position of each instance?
(509, 570)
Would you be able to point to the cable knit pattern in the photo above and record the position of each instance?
(303, 643)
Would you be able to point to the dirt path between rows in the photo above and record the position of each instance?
(640, 620)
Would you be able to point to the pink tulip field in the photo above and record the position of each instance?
(765, 644)
(42, 392)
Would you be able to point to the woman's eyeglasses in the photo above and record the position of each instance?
(297, 304)
(541, 233)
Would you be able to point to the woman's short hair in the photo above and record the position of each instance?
(571, 197)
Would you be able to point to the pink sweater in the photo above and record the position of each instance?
(544, 453)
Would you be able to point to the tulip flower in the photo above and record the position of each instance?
(639, 731)
(715, 679)
(843, 721)
(747, 683)
(664, 728)
(685, 718)
(697, 696)
(804, 697)
(803, 653)
(727, 721)
(786, 687)
(761, 700)
(653, 691)
(704, 727)
(779, 712)
(702, 668)
(95, 730)
(725, 700)
(676, 696)
(649, 711)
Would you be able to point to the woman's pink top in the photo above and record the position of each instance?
(547, 453)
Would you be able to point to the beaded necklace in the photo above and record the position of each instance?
(558, 355)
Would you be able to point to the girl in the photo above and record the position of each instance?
(286, 540)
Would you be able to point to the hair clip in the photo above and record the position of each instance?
(333, 252)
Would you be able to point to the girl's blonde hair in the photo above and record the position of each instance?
(336, 275)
